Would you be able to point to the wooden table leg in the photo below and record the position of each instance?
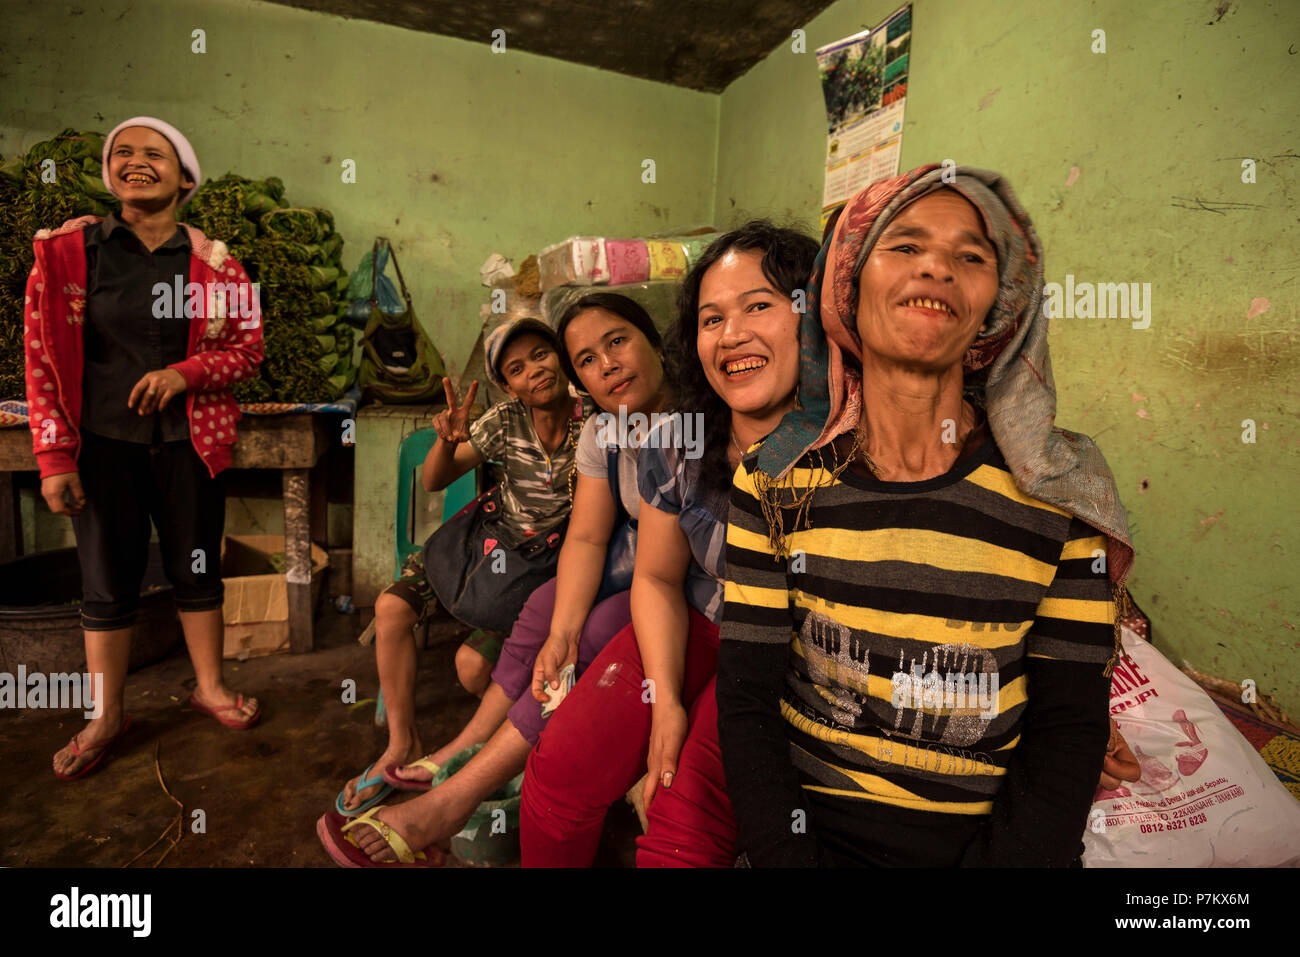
(297, 558)
(319, 504)
(11, 519)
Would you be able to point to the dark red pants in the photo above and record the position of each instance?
(594, 750)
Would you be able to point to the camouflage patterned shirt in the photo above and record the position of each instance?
(534, 485)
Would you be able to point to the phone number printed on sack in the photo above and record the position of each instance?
(1153, 821)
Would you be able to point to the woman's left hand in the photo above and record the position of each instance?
(667, 734)
(1120, 763)
(155, 390)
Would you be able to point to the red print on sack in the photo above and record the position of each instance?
(1188, 761)
(488, 545)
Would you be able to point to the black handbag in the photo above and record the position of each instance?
(479, 573)
(620, 554)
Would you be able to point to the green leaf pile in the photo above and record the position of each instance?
(28, 204)
(295, 256)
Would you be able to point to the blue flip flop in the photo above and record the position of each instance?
(365, 782)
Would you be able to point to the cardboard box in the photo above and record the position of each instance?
(256, 608)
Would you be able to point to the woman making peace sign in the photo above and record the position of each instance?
(533, 436)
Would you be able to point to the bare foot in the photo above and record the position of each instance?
(422, 822)
(423, 774)
(222, 698)
(90, 740)
(395, 754)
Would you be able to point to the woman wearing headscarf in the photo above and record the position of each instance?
(136, 327)
(920, 623)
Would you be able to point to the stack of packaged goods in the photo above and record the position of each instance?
(646, 270)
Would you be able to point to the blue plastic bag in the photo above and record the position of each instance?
(359, 289)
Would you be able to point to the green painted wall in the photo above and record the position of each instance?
(1157, 127)
(459, 152)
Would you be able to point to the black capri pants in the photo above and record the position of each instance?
(126, 484)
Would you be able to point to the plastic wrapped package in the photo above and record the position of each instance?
(695, 246)
(579, 260)
(667, 259)
(659, 299)
(628, 259)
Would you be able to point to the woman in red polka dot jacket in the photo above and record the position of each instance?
(132, 342)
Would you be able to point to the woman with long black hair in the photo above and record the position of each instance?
(646, 704)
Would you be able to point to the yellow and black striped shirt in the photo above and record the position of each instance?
(915, 617)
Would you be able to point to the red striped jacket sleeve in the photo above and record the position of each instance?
(52, 439)
(230, 348)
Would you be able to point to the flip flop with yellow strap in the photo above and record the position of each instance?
(333, 828)
(390, 775)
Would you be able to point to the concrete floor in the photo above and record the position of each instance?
(261, 790)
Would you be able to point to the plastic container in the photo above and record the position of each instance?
(40, 614)
(491, 837)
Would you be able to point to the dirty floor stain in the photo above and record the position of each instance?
(261, 790)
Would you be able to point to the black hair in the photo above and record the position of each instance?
(788, 256)
(621, 306)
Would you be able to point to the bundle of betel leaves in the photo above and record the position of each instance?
(52, 182)
(295, 257)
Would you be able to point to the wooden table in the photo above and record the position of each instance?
(295, 444)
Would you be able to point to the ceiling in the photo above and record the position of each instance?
(697, 44)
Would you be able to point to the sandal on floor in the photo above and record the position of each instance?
(242, 723)
(78, 751)
(390, 775)
(332, 829)
(365, 782)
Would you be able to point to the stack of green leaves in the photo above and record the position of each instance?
(53, 182)
(295, 257)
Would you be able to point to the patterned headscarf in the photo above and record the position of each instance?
(1007, 366)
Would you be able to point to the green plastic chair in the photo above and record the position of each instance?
(410, 459)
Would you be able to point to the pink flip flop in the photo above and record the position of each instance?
(78, 751)
(332, 829)
(241, 724)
